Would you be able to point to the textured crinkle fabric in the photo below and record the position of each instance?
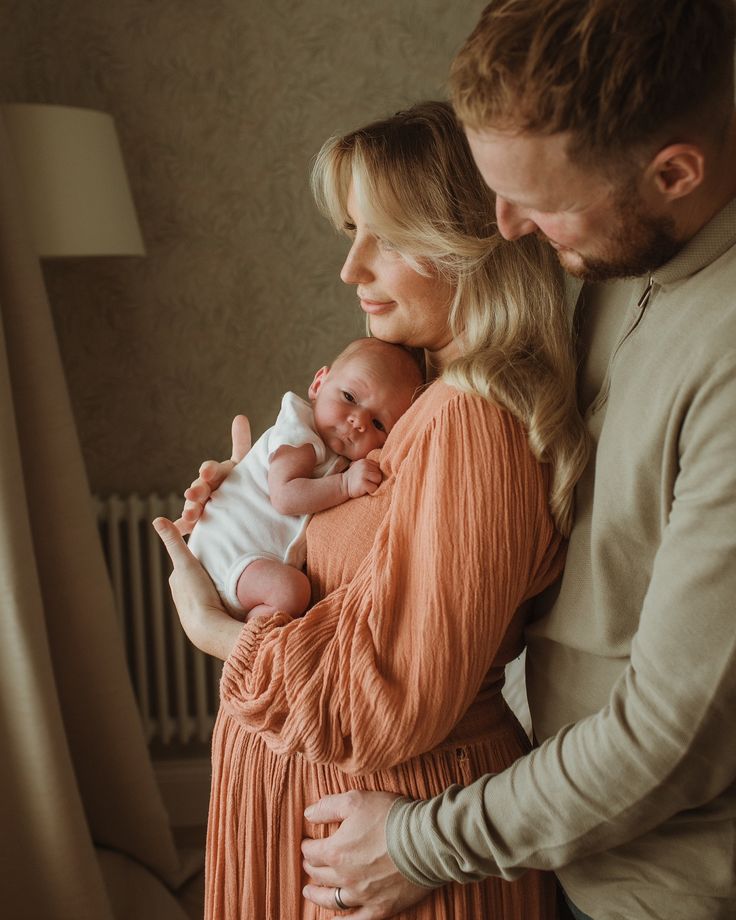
(393, 679)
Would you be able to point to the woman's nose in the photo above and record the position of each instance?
(355, 269)
(512, 222)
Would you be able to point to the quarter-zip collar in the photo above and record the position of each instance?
(708, 244)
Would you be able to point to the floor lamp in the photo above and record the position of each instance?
(74, 182)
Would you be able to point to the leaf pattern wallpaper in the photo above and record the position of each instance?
(220, 106)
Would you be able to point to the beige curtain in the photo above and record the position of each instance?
(83, 829)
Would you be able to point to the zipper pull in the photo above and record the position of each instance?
(644, 299)
(641, 306)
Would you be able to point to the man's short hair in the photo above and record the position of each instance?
(618, 75)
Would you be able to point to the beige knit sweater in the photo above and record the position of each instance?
(632, 668)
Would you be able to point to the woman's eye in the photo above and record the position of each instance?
(378, 425)
(386, 245)
(348, 396)
(349, 229)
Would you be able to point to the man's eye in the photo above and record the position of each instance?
(378, 425)
(348, 396)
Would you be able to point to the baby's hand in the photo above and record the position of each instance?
(362, 477)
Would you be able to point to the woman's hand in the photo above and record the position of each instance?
(211, 476)
(355, 858)
(203, 618)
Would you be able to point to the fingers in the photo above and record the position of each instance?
(370, 482)
(368, 467)
(364, 477)
(241, 437)
(173, 541)
(324, 876)
(190, 514)
(330, 808)
(184, 527)
(325, 897)
(192, 510)
(211, 474)
(198, 492)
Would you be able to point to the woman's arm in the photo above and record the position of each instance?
(202, 616)
(383, 668)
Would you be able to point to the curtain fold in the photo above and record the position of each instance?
(84, 831)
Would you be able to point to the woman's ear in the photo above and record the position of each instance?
(677, 170)
(319, 378)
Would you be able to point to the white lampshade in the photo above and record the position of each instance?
(76, 189)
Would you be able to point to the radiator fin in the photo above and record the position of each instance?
(176, 685)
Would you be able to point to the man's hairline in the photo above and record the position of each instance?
(619, 168)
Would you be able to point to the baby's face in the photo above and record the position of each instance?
(356, 404)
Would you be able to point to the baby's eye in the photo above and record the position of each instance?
(348, 396)
(379, 425)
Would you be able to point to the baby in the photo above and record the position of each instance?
(251, 536)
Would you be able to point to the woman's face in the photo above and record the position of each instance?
(403, 306)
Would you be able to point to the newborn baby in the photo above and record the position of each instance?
(251, 536)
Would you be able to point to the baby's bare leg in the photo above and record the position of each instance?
(267, 586)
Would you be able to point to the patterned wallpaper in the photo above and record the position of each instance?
(220, 106)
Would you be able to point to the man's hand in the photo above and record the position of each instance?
(212, 474)
(362, 477)
(355, 859)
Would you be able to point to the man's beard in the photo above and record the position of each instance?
(639, 244)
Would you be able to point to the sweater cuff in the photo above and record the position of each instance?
(406, 845)
(438, 841)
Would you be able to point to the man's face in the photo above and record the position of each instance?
(599, 230)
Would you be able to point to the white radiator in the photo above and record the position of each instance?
(176, 685)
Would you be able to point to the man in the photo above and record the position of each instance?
(607, 127)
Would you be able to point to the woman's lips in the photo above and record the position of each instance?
(375, 306)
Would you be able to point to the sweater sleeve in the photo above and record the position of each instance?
(662, 745)
(383, 668)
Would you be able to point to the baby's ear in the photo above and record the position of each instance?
(319, 378)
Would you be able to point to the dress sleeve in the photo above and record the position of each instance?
(667, 729)
(383, 668)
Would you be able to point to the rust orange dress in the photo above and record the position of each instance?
(393, 679)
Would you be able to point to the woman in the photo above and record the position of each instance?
(393, 679)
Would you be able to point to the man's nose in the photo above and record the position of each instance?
(512, 221)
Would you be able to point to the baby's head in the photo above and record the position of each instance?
(359, 399)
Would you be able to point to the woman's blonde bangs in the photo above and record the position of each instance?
(330, 180)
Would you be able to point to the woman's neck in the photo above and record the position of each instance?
(437, 361)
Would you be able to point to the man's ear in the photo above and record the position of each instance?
(677, 170)
(319, 378)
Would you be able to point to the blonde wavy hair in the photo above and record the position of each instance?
(419, 188)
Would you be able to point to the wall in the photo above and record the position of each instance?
(220, 107)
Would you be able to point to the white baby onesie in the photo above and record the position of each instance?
(239, 524)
